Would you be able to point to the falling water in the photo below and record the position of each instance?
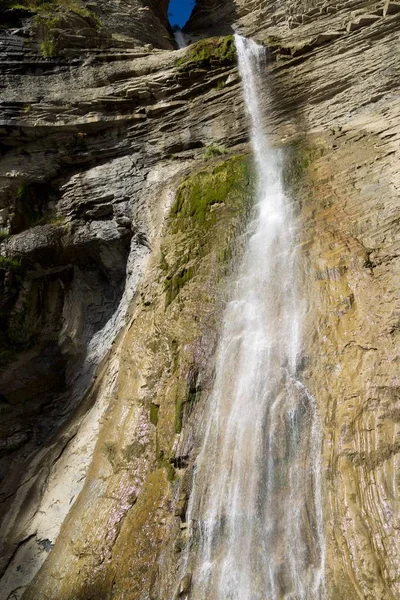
(180, 38)
(255, 512)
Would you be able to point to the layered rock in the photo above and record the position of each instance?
(87, 178)
(98, 143)
(68, 27)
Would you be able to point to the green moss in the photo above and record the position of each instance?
(134, 450)
(50, 219)
(165, 463)
(214, 150)
(154, 408)
(220, 85)
(47, 19)
(216, 193)
(22, 191)
(209, 52)
(48, 6)
(46, 25)
(47, 48)
(4, 234)
(209, 213)
(9, 263)
(197, 196)
(225, 254)
(163, 263)
(175, 283)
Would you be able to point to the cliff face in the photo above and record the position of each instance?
(124, 183)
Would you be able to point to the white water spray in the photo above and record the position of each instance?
(180, 38)
(255, 513)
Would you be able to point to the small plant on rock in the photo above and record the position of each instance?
(9, 263)
(220, 85)
(214, 150)
(47, 48)
(204, 54)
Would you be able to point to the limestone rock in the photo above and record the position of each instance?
(362, 21)
(184, 585)
(111, 296)
(391, 8)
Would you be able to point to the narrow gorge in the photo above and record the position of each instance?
(199, 300)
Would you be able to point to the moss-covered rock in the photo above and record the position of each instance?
(55, 24)
(211, 209)
(165, 374)
(46, 6)
(209, 198)
(209, 52)
(223, 185)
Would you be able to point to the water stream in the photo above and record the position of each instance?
(255, 513)
(180, 38)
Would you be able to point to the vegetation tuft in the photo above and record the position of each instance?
(211, 195)
(47, 48)
(48, 16)
(214, 150)
(9, 263)
(47, 6)
(154, 408)
(165, 463)
(197, 196)
(209, 52)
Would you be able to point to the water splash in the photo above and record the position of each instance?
(180, 38)
(255, 513)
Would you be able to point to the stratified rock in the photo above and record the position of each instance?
(391, 8)
(362, 21)
(114, 273)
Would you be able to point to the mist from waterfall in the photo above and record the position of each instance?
(180, 38)
(255, 512)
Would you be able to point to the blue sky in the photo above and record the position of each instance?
(179, 11)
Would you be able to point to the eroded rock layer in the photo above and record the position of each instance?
(125, 186)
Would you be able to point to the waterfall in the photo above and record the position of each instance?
(255, 512)
(180, 38)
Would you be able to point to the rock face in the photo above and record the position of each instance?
(124, 189)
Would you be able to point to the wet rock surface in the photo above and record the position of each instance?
(109, 310)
